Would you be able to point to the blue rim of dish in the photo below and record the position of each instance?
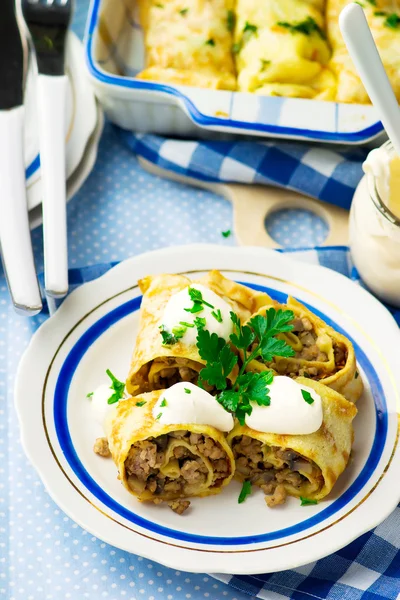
(357, 137)
(61, 392)
(33, 167)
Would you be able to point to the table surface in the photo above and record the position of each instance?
(120, 211)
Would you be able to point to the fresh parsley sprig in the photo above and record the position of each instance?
(117, 386)
(256, 339)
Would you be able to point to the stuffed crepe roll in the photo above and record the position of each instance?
(190, 43)
(297, 465)
(166, 462)
(321, 353)
(160, 361)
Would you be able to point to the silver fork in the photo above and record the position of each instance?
(48, 22)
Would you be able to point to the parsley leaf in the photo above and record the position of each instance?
(187, 391)
(183, 12)
(196, 308)
(243, 336)
(200, 322)
(307, 397)
(270, 347)
(306, 27)
(141, 403)
(163, 403)
(89, 395)
(158, 416)
(257, 389)
(186, 324)
(168, 338)
(230, 20)
(179, 331)
(249, 28)
(246, 491)
(209, 345)
(307, 501)
(236, 47)
(356, 375)
(217, 315)
(117, 386)
(210, 42)
(392, 21)
(197, 296)
(219, 357)
(226, 233)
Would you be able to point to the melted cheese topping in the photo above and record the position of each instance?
(188, 42)
(273, 58)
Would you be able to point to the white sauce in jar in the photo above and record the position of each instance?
(185, 403)
(175, 314)
(288, 412)
(374, 239)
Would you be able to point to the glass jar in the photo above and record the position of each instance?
(375, 230)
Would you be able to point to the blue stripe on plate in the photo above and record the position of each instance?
(61, 424)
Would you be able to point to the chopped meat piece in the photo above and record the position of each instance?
(195, 438)
(187, 374)
(221, 465)
(190, 472)
(242, 465)
(340, 355)
(297, 325)
(291, 477)
(269, 488)
(143, 458)
(167, 373)
(278, 497)
(179, 506)
(181, 452)
(172, 486)
(101, 447)
(157, 501)
(307, 324)
(307, 338)
(210, 449)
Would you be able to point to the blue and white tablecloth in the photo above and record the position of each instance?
(122, 211)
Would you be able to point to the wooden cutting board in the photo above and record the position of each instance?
(253, 203)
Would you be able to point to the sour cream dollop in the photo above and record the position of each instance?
(185, 403)
(288, 412)
(99, 403)
(175, 314)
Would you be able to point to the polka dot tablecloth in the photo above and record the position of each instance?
(120, 211)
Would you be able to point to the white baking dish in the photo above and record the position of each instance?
(115, 54)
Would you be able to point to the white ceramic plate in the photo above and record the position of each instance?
(81, 119)
(95, 329)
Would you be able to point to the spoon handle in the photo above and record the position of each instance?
(363, 51)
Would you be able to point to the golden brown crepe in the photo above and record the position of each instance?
(281, 49)
(159, 462)
(322, 353)
(384, 20)
(297, 465)
(155, 366)
(189, 42)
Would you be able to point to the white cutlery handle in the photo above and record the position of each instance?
(15, 236)
(51, 96)
(363, 51)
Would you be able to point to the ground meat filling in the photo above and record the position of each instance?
(276, 471)
(101, 447)
(310, 351)
(174, 371)
(146, 458)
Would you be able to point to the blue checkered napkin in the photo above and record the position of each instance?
(330, 174)
(367, 569)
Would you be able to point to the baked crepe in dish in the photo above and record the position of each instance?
(188, 43)
(387, 39)
(297, 465)
(322, 353)
(155, 366)
(159, 462)
(274, 57)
